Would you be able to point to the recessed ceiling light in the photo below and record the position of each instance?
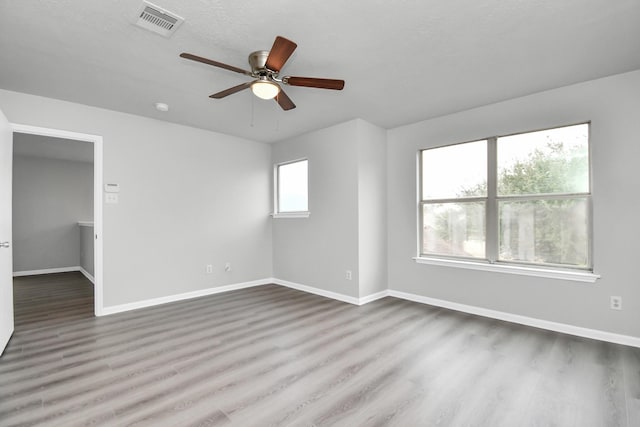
(161, 106)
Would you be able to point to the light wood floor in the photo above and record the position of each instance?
(272, 356)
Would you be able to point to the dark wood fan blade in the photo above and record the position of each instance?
(284, 101)
(280, 51)
(214, 63)
(314, 82)
(231, 90)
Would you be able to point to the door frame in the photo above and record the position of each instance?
(97, 198)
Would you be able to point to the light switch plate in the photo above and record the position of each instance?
(112, 188)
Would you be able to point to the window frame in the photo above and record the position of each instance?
(491, 261)
(277, 213)
(422, 202)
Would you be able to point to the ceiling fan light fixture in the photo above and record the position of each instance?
(265, 89)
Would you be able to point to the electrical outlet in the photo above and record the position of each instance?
(616, 303)
(111, 198)
(227, 266)
(209, 268)
(348, 275)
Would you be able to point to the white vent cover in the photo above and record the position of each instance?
(158, 20)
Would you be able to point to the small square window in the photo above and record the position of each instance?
(292, 187)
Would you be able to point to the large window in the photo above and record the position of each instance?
(522, 199)
(291, 187)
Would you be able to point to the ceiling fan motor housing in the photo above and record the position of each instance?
(258, 61)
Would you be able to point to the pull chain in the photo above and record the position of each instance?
(253, 101)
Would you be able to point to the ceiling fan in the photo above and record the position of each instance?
(265, 69)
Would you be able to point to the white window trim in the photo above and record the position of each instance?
(498, 266)
(576, 276)
(291, 214)
(275, 214)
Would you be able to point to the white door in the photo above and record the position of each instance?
(6, 262)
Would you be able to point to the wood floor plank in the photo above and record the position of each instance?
(272, 356)
(367, 360)
(582, 385)
(235, 377)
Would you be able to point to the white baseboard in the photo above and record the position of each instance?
(45, 271)
(55, 270)
(219, 289)
(479, 311)
(179, 297)
(318, 291)
(87, 275)
(522, 320)
(373, 297)
(330, 294)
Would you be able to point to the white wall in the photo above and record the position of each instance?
(372, 208)
(317, 251)
(49, 197)
(188, 198)
(613, 107)
(87, 240)
(347, 199)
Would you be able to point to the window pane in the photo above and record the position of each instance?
(545, 231)
(455, 171)
(292, 187)
(454, 229)
(545, 162)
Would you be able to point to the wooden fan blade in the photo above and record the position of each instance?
(280, 51)
(214, 63)
(231, 90)
(284, 101)
(314, 82)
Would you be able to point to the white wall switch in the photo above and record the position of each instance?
(112, 188)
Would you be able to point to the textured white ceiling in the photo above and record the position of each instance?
(402, 60)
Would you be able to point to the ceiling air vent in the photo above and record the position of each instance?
(158, 20)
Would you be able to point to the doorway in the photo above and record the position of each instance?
(96, 142)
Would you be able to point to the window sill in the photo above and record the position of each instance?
(577, 276)
(291, 215)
